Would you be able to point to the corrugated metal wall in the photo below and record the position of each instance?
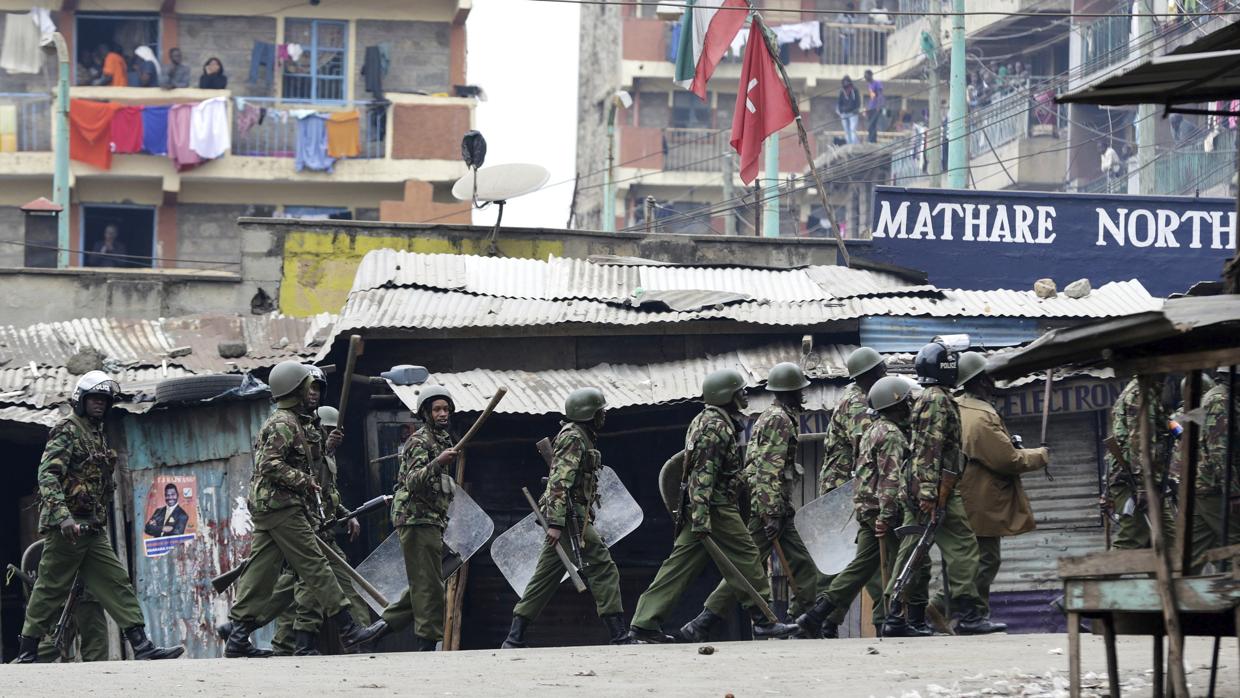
(212, 443)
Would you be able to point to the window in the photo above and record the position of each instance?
(319, 72)
(316, 213)
(121, 34)
(118, 236)
(688, 111)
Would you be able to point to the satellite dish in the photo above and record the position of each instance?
(500, 183)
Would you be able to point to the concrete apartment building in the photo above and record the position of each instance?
(399, 65)
(673, 147)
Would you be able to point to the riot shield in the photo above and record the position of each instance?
(469, 528)
(516, 550)
(829, 528)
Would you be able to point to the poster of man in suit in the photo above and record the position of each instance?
(172, 513)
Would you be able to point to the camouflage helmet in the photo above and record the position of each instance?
(583, 403)
(94, 383)
(971, 365)
(430, 394)
(286, 378)
(719, 387)
(889, 391)
(862, 359)
(329, 416)
(786, 376)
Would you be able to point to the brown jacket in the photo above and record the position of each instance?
(993, 495)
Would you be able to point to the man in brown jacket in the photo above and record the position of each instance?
(994, 499)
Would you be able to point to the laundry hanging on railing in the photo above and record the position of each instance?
(209, 134)
(180, 117)
(312, 144)
(344, 134)
(155, 130)
(20, 52)
(127, 130)
(806, 35)
(90, 132)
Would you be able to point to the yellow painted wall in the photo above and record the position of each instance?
(319, 266)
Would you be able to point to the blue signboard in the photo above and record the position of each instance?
(1010, 239)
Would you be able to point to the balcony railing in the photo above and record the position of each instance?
(855, 44)
(25, 122)
(912, 11)
(1105, 41)
(1015, 116)
(693, 149)
(1190, 168)
(275, 136)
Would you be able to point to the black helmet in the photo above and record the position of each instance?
(936, 365)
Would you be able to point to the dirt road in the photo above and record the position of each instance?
(1000, 665)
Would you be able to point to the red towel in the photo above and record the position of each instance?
(127, 130)
(90, 131)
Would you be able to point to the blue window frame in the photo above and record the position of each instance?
(319, 73)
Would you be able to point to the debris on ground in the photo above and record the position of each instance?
(706, 649)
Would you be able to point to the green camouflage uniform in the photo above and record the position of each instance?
(713, 460)
(75, 479)
(286, 512)
(92, 633)
(771, 470)
(298, 611)
(573, 482)
(880, 461)
(935, 447)
(1134, 531)
(420, 512)
(849, 421)
(1211, 473)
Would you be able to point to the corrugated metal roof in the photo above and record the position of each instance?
(417, 308)
(903, 334)
(143, 343)
(543, 392)
(560, 278)
(53, 386)
(26, 415)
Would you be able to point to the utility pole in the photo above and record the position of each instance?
(649, 214)
(934, 130)
(1146, 123)
(958, 145)
(60, 173)
(729, 216)
(770, 220)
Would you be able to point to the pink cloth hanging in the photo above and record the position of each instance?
(179, 117)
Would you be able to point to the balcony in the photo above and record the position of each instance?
(393, 134)
(1018, 115)
(25, 122)
(1190, 169)
(1016, 142)
(1105, 41)
(694, 149)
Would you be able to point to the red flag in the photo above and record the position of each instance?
(762, 104)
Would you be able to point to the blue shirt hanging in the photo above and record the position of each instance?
(312, 144)
(155, 130)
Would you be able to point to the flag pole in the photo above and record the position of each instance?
(804, 138)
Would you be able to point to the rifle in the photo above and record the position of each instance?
(63, 635)
(1131, 506)
(226, 579)
(947, 483)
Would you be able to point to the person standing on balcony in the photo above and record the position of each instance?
(848, 106)
(213, 77)
(176, 73)
(115, 70)
(846, 33)
(874, 106)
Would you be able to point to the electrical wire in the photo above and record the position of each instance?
(892, 13)
(71, 250)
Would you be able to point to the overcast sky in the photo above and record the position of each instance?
(524, 54)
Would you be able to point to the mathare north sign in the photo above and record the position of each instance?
(1001, 239)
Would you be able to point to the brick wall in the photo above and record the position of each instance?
(423, 131)
(12, 229)
(210, 232)
(419, 51)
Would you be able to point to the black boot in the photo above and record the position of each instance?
(378, 629)
(617, 631)
(352, 634)
(699, 629)
(917, 625)
(223, 630)
(830, 630)
(305, 643)
(764, 628)
(239, 644)
(516, 634)
(642, 636)
(894, 625)
(422, 644)
(811, 621)
(28, 650)
(143, 648)
(1002, 627)
(973, 623)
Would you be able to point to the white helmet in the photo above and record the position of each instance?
(94, 383)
